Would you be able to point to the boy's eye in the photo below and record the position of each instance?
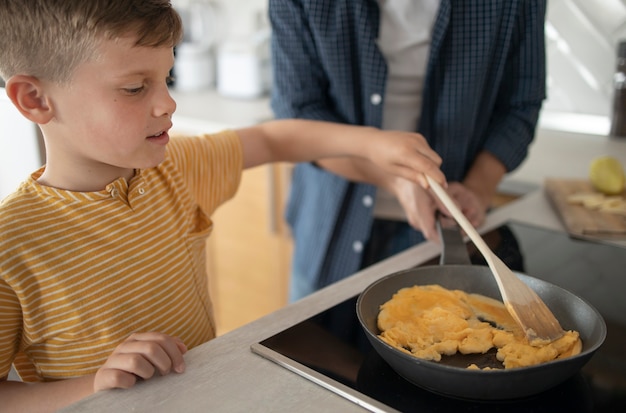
(133, 90)
(169, 80)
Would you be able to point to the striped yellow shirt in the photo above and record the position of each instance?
(81, 271)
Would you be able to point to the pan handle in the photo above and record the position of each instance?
(454, 250)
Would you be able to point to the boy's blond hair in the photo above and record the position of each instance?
(49, 38)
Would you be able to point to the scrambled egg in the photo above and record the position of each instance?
(431, 321)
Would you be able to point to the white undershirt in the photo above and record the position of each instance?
(404, 40)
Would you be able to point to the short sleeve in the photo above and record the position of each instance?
(10, 327)
(211, 166)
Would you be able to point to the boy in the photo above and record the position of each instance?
(102, 274)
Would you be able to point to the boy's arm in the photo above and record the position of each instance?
(140, 356)
(402, 154)
(44, 397)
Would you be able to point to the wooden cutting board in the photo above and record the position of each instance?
(579, 220)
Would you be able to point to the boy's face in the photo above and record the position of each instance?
(114, 115)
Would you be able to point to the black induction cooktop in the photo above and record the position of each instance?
(331, 349)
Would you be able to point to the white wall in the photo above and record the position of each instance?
(19, 147)
(581, 43)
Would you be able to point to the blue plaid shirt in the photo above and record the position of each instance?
(484, 88)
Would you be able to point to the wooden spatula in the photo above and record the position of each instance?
(527, 309)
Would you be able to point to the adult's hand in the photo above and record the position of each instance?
(419, 205)
(469, 203)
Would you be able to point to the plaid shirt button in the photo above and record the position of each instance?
(376, 99)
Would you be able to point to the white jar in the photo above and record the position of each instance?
(194, 67)
(243, 69)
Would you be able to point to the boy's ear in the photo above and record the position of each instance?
(29, 97)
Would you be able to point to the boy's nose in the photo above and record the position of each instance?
(166, 104)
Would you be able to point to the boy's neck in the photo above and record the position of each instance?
(86, 182)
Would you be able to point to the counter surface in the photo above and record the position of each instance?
(225, 375)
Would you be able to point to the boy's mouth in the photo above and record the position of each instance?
(160, 137)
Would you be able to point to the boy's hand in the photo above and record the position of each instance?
(141, 355)
(405, 154)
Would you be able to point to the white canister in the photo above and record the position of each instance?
(194, 67)
(243, 67)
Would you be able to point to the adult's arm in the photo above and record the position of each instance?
(300, 83)
(514, 120)
(522, 91)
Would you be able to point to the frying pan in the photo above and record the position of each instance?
(449, 376)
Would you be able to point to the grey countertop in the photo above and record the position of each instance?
(224, 375)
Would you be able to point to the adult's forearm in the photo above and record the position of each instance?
(484, 177)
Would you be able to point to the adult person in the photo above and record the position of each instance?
(468, 75)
